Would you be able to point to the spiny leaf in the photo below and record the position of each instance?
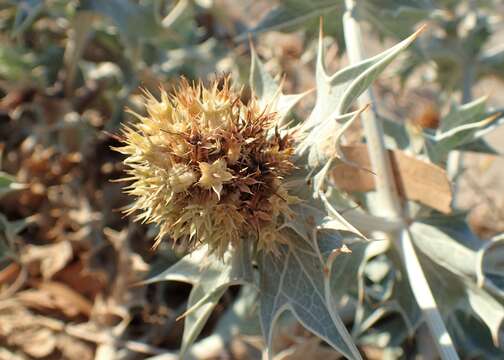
(240, 319)
(293, 14)
(452, 270)
(463, 114)
(133, 20)
(490, 270)
(464, 125)
(319, 142)
(394, 18)
(330, 149)
(26, 13)
(492, 62)
(474, 344)
(479, 146)
(336, 93)
(269, 91)
(210, 277)
(8, 232)
(294, 280)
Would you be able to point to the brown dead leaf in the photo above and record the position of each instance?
(294, 342)
(416, 179)
(20, 328)
(56, 296)
(9, 273)
(71, 302)
(16, 97)
(81, 279)
(308, 348)
(36, 342)
(52, 258)
(74, 349)
(37, 336)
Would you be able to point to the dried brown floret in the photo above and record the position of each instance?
(209, 168)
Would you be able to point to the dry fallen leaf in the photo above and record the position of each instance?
(56, 296)
(293, 342)
(22, 329)
(35, 342)
(77, 276)
(416, 179)
(9, 273)
(72, 348)
(52, 257)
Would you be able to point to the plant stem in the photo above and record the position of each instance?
(373, 130)
(79, 36)
(468, 82)
(455, 161)
(390, 204)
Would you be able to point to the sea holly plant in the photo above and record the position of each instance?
(232, 180)
(251, 196)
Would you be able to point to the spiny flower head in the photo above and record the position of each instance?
(209, 168)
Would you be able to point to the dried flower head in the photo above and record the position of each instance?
(209, 168)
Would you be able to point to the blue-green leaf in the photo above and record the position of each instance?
(8, 183)
(210, 277)
(26, 13)
(269, 91)
(454, 271)
(337, 93)
(133, 20)
(291, 15)
(463, 126)
(294, 280)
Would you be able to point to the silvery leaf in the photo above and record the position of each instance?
(336, 93)
(452, 271)
(294, 280)
(210, 277)
(269, 91)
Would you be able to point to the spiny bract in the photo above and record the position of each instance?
(208, 168)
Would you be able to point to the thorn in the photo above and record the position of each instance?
(491, 118)
(321, 30)
(364, 108)
(180, 317)
(112, 136)
(251, 43)
(344, 249)
(420, 30)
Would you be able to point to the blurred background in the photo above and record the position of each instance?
(68, 69)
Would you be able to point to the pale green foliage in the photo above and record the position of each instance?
(210, 277)
(311, 273)
(294, 279)
(8, 183)
(26, 13)
(8, 233)
(463, 126)
(335, 94)
(292, 15)
(309, 276)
